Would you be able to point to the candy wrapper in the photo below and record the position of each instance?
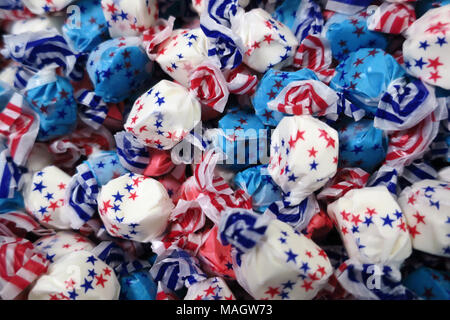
(77, 276)
(272, 261)
(209, 289)
(120, 63)
(138, 286)
(424, 205)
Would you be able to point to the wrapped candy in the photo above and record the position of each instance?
(20, 267)
(424, 205)
(210, 289)
(44, 197)
(375, 235)
(35, 24)
(392, 18)
(256, 181)
(129, 18)
(365, 76)
(51, 96)
(361, 145)
(78, 275)
(58, 245)
(429, 284)
(128, 214)
(303, 156)
(92, 29)
(269, 87)
(272, 261)
(251, 37)
(425, 45)
(243, 138)
(120, 63)
(349, 34)
(163, 115)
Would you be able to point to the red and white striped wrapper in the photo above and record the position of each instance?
(408, 145)
(18, 224)
(19, 124)
(20, 265)
(346, 179)
(392, 18)
(314, 53)
(156, 34)
(241, 81)
(164, 293)
(305, 97)
(208, 84)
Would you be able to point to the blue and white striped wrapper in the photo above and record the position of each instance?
(133, 155)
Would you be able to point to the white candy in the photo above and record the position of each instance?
(64, 242)
(372, 226)
(265, 40)
(303, 156)
(45, 6)
(426, 205)
(284, 265)
(77, 276)
(162, 117)
(44, 197)
(182, 52)
(135, 207)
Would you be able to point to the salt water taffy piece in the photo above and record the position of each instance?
(182, 52)
(129, 213)
(361, 145)
(106, 166)
(44, 197)
(267, 43)
(78, 275)
(372, 226)
(52, 98)
(425, 205)
(121, 64)
(257, 182)
(92, 28)
(176, 269)
(162, 117)
(43, 6)
(405, 103)
(271, 84)
(273, 261)
(429, 284)
(210, 289)
(424, 50)
(58, 245)
(348, 34)
(129, 18)
(303, 156)
(376, 238)
(366, 75)
(243, 138)
(35, 24)
(20, 266)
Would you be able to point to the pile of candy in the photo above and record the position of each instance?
(224, 149)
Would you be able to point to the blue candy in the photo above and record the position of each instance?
(118, 68)
(361, 145)
(105, 166)
(52, 98)
(365, 75)
(242, 146)
(92, 30)
(349, 34)
(268, 88)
